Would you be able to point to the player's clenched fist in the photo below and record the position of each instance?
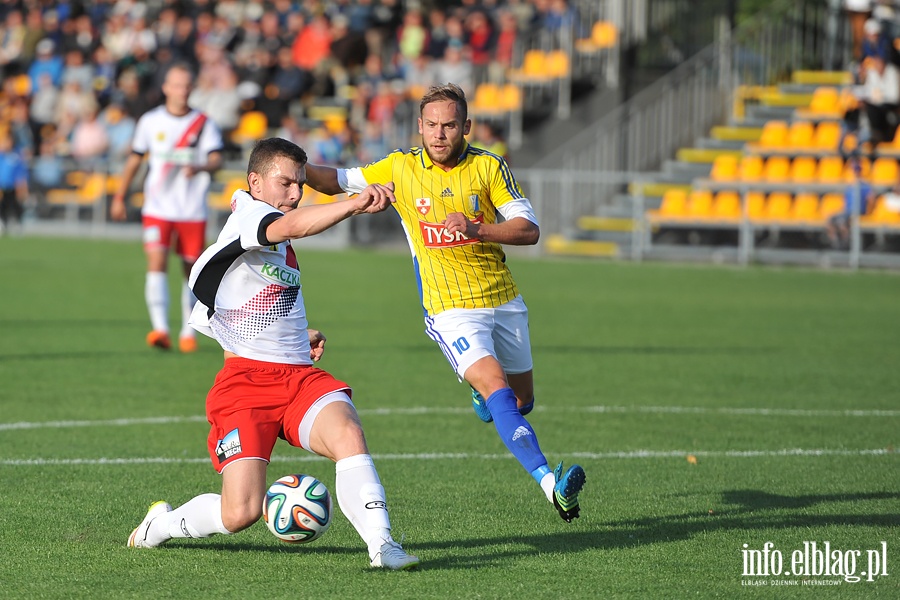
(458, 223)
(376, 197)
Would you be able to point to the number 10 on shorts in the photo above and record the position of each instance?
(461, 345)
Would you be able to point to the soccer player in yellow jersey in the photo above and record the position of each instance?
(449, 196)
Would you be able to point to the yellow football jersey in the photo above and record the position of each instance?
(453, 270)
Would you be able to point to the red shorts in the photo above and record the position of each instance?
(253, 403)
(190, 240)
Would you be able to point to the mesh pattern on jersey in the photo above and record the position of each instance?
(243, 324)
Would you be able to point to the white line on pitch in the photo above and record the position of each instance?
(424, 410)
(25, 462)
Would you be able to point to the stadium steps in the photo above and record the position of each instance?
(684, 170)
(705, 155)
(736, 133)
(713, 144)
(656, 189)
(560, 245)
(822, 77)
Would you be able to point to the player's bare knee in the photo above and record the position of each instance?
(347, 439)
(241, 516)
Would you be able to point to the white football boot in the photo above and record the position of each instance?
(391, 556)
(138, 537)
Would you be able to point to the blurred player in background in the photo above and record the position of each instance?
(449, 196)
(248, 285)
(184, 148)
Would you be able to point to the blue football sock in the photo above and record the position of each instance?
(526, 408)
(514, 430)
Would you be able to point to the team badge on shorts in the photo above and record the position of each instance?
(229, 446)
(423, 205)
(152, 235)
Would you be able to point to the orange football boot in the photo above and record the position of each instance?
(159, 339)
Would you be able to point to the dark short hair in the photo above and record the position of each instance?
(181, 65)
(447, 91)
(267, 150)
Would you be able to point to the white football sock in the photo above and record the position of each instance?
(188, 299)
(361, 499)
(156, 293)
(199, 517)
(548, 482)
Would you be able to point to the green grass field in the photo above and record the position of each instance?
(711, 408)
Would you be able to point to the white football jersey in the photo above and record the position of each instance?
(172, 143)
(248, 290)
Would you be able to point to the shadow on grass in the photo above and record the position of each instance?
(753, 510)
(68, 323)
(654, 350)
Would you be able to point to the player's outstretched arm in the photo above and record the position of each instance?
(518, 231)
(323, 179)
(305, 221)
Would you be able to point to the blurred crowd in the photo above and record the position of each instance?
(875, 31)
(340, 77)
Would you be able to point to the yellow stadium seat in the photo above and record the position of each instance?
(725, 168)
(93, 187)
(803, 169)
(830, 169)
(885, 171)
(511, 97)
(604, 34)
(75, 178)
(777, 169)
(778, 206)
(827, 135)
(865, 170)
(806, 207)
(699, 204)
(252, 125)
(850, 145)
(825, 101)
(21, 85)
(756, 205)
(487, 96)
(881, 214)
(727, 205)
(774, 134)
(674, 204)
(832, 203)
(222, 201)
(533, 63)
(751, 168)
(800, 134)
(556, 63)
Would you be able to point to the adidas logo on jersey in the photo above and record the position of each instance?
(447, 193)
(521, 431)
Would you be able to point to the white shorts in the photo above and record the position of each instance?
(468, 334)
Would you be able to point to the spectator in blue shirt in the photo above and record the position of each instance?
(858, 194)
(13, 183)
(46, 62)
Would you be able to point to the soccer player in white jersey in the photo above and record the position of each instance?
(184, 148)
(248, 286)
(449, 196)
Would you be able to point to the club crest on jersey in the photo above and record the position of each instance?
(161, 136)
(435, 235)
(474, 204)
(423, 205)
